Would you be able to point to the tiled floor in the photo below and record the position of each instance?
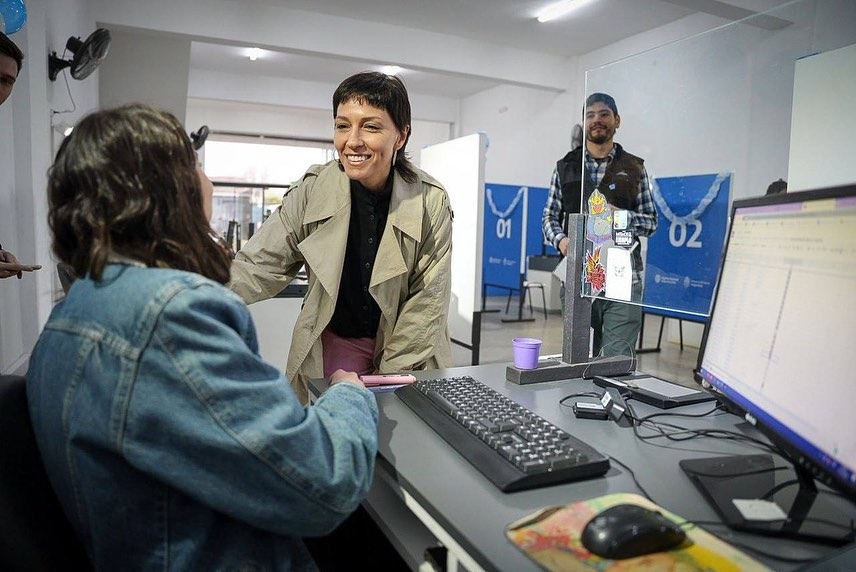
(670, 363)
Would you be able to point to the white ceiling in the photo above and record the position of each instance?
(499, 23)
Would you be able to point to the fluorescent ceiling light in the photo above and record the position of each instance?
(559, 9)
(391, 70)
(254, 54)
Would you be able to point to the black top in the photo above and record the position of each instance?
(357, 314)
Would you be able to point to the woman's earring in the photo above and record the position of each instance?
(394, 157)
(338, 159)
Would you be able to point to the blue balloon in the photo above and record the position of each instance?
(13, 14)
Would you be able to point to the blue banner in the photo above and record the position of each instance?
(507, 240)
(535, 245)
(683, 255)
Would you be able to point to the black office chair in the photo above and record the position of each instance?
(66, 276)
(527, 292)
(35, 534)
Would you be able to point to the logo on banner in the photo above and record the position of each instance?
(683, 255)
(503, 223)
(685, 231)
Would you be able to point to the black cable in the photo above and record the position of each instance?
(635, 480)
(573, 395)
(685, 434)
(68, 89)
(662, 427)
(676, 414)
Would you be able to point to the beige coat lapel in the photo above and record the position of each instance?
(405, 218)
(328, 206)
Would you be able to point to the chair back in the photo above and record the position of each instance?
(34, 531)
(66, 276)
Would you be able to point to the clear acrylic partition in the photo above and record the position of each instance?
(711, 116)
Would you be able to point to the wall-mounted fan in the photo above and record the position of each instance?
(87, 55)
(198, 137)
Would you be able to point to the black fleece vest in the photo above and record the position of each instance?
(620, 184)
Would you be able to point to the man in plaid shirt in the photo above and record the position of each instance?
(622, 179)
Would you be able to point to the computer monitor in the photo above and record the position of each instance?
(779, 348)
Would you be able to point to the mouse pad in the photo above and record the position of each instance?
(551, 537)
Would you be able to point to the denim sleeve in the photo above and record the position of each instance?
(209, 418)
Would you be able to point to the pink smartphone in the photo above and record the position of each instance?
(387, 379)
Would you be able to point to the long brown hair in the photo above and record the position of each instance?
(125, 182)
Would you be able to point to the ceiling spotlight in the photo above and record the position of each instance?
(391, 70)
(254, 54)
(559, 9)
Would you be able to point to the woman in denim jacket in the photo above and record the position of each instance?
(170, 443)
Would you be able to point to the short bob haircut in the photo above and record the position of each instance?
(385, 92)
(124, 182)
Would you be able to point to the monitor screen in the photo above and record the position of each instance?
(780, 343)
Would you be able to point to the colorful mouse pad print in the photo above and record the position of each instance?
(551, 537)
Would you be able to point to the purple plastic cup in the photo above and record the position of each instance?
(526, 352)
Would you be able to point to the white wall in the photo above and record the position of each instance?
(721, 101)
(25, 155)
(825, 87)
(207, 84)
(274, 26)
(528, 130)
(146, 68)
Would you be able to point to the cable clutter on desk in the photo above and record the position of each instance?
(677, 433)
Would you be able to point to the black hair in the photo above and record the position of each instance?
(603, 98)
(385, 92)
(8, 48)
(777, 187)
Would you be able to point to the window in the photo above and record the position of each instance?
(250, 175)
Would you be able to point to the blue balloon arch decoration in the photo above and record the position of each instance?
(13, 16)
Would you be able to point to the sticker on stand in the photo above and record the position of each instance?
(623, 238)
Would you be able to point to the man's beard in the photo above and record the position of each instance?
(600, 139)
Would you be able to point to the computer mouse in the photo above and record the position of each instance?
(629, 530)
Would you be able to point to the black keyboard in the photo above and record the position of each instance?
(507, 443)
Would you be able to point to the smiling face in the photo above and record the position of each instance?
(601, 123)
(366, 138)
